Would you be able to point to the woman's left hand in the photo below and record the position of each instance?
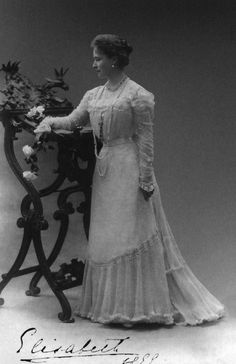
(146, 194)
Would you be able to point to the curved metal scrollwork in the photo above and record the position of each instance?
(70, 149)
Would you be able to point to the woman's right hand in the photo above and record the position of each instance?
(44, 127)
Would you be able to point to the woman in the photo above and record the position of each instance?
(134, 269)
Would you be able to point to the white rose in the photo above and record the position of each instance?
(40, 109)
(32, 112)
(29, 176)
(28, 151)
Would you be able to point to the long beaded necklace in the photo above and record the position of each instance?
(110, 88)
(101, 155)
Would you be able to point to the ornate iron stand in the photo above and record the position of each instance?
(70, 148)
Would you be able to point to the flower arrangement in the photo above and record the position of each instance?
(18, 92)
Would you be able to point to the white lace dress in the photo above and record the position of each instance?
(134, 269)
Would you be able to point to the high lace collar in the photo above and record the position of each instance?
(118, 85)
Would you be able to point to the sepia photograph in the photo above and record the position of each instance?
(117, 181)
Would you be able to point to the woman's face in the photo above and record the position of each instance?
(102, 64)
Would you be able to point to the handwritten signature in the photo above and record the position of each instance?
(40, 352)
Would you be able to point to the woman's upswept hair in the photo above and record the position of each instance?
(113, 46)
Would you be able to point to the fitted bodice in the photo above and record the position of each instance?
(112, 110)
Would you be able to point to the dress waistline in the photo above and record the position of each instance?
(102, 161)
(117, 141)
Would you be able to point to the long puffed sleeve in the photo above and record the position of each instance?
(78, 117)
(143, 108)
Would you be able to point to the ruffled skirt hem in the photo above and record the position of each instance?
(167, 320)
(144, 286)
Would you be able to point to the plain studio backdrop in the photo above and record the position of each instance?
(184, 53)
